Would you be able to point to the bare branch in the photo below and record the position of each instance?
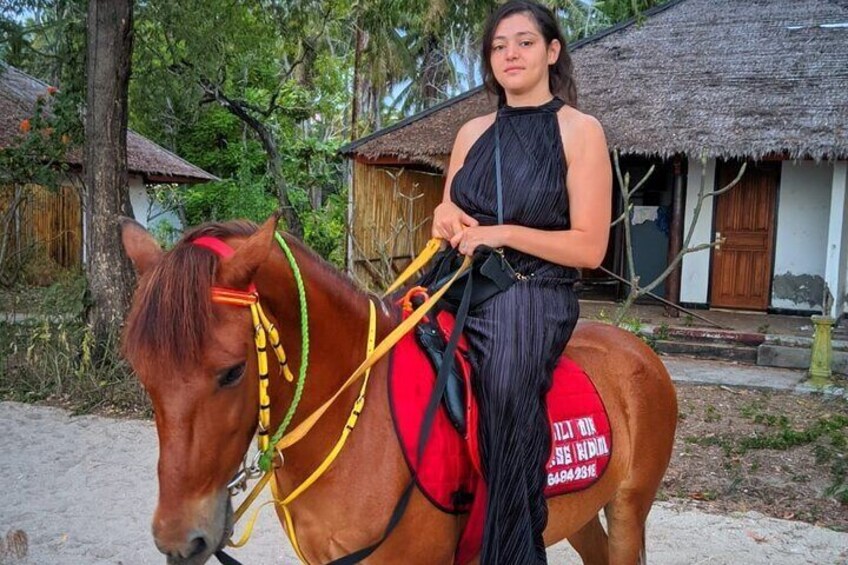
(733, 183)
(636, 291)
(679, 257)
(628, 239)
(643, 181)
(620, 219)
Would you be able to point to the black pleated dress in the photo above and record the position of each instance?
(516, 337)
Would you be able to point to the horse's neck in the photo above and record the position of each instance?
(338, 318)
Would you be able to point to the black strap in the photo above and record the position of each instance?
(498, 181)
(226, 559)
(426, 427)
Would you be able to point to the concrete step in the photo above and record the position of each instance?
(703, 335)
(772, 353)
(789, 357)
(708, 350)
(803, 342)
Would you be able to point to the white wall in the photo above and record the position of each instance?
(800, 243)
(836, 269)
(149, 215)
(138, 199)
(695, 274)
(842, 176)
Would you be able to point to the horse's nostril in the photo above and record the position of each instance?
(196, 546)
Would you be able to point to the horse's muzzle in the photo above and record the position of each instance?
(194, 543)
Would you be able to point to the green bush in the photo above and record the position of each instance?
(49, 360)
(324, 229)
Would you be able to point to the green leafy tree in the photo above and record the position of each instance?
(258, 61)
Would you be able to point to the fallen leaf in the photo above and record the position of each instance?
(756, 537)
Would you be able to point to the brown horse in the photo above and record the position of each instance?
(197, 362)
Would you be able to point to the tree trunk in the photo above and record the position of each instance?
(110, 275)
(275, 162)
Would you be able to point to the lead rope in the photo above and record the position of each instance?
(268, 451)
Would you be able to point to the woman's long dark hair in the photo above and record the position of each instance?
(560, 79)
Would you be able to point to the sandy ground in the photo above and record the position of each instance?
(83, 490)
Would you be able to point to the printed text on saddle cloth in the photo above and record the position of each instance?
(576, 450)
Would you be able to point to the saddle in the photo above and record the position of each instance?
(433, 340)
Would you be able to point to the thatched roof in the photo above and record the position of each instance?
(722, 78)
(18, 95)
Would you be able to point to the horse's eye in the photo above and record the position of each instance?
(231, 376)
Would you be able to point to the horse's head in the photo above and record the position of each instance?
(196, 362)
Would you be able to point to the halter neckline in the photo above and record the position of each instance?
(551, 106)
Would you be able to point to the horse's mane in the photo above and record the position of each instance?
(172, 311)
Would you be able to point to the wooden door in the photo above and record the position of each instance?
(745, 217)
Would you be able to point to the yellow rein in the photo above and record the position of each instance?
(353, 418)
(373, 354)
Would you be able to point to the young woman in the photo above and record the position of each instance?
(556, 191)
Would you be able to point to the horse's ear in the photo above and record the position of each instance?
(140, 246)
(238, 270)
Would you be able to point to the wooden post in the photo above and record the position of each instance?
(672, 288)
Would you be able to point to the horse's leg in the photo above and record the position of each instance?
(591, 543)
(626, 515)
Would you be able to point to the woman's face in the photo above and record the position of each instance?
(519, 55)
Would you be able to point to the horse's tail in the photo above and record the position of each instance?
(643, 555)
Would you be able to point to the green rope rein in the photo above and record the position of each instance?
(268, 456)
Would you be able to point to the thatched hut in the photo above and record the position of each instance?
(763, 82)
(54, 219)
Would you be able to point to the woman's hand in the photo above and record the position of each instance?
(467, 240)
(449, 220)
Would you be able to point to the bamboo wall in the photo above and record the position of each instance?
(49, 222)
(391, 218)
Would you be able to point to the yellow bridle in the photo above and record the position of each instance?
(283, 503)
(263, 331)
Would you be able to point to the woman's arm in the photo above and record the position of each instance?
(448, 218)
(589, 185)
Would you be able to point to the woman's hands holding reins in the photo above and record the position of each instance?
(462, 231)
(449, 220)
(468, 239)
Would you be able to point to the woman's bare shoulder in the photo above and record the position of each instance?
(579, 132)
(573, 121)
(471, 131)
